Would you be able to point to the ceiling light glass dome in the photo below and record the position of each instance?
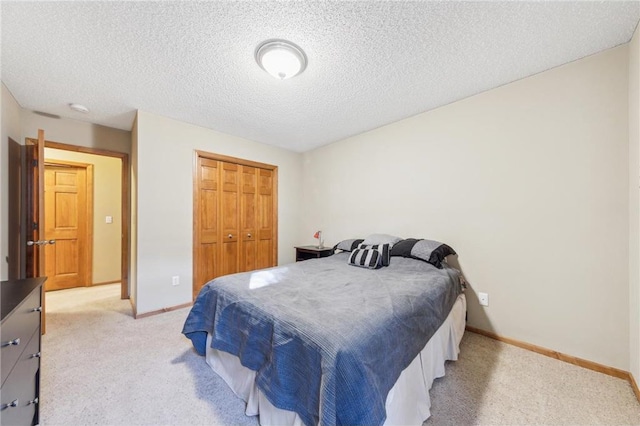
(281, 58)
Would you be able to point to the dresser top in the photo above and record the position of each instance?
(14, 292)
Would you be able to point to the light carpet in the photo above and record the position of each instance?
(102, 367)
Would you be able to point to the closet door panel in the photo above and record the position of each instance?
(264, 258)
(266, 227)
(248, 218)
(229, 263)
(230, 217)
(206, 215)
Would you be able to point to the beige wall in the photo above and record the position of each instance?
(164, 175)
(634, 205)
(528, 182)
(107, 201)
(133, 229)
(76, 132)
(10, 128)
(19, 123)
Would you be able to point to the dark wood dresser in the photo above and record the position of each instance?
(20, 365)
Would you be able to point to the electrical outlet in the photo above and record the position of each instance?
(175, 280)
(484, 299)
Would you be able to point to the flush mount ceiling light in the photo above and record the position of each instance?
(281, 58)
(79, 108)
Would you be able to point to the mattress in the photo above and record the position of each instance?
(407, 402)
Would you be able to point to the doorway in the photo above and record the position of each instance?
(108, 259)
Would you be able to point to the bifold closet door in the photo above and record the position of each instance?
(207, 247)
(230, 217)
(234, 219)
(265, 247)
(248, 218)
(217, 215)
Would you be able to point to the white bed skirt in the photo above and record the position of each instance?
(407, 403)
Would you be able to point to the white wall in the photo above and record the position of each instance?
(133, 229)
(528, 182)
(4, 247)
(10, 128)
(165, 164)
(634, 205)
(19, 123)
(107, 201)
(75, 132)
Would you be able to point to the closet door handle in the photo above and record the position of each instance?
(248, 235)
(230, 235)
(38, 309)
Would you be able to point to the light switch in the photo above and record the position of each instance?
(108, 219)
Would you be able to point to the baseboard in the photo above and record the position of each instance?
(611, 371)
(106, 282)
(161, 311)
(634, 386)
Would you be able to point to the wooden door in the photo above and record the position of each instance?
(207, 203)
(248, 218)
(67, 216)
(32, 219)
(229, 217)
(266, 250)
(17, 244)
(34, 175)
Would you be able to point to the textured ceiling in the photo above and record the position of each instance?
(370, 63)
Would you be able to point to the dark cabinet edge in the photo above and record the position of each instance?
(15, 292)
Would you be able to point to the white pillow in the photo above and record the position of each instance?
(375, 239)
(348, 245)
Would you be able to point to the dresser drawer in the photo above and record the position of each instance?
(20, 325)
(18, 400)
(29, 361)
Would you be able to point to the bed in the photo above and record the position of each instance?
(325, 342)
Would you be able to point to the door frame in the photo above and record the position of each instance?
(32, 221)
(196, 216)
(88, 272)
(125, 210)
(34, 200)
(16, 255)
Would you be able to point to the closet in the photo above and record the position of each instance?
(235, 217)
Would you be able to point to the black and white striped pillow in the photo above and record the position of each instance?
(384, 249)
(365, 258)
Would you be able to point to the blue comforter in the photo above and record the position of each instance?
(327, 340)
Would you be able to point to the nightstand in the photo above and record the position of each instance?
(312, 252)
